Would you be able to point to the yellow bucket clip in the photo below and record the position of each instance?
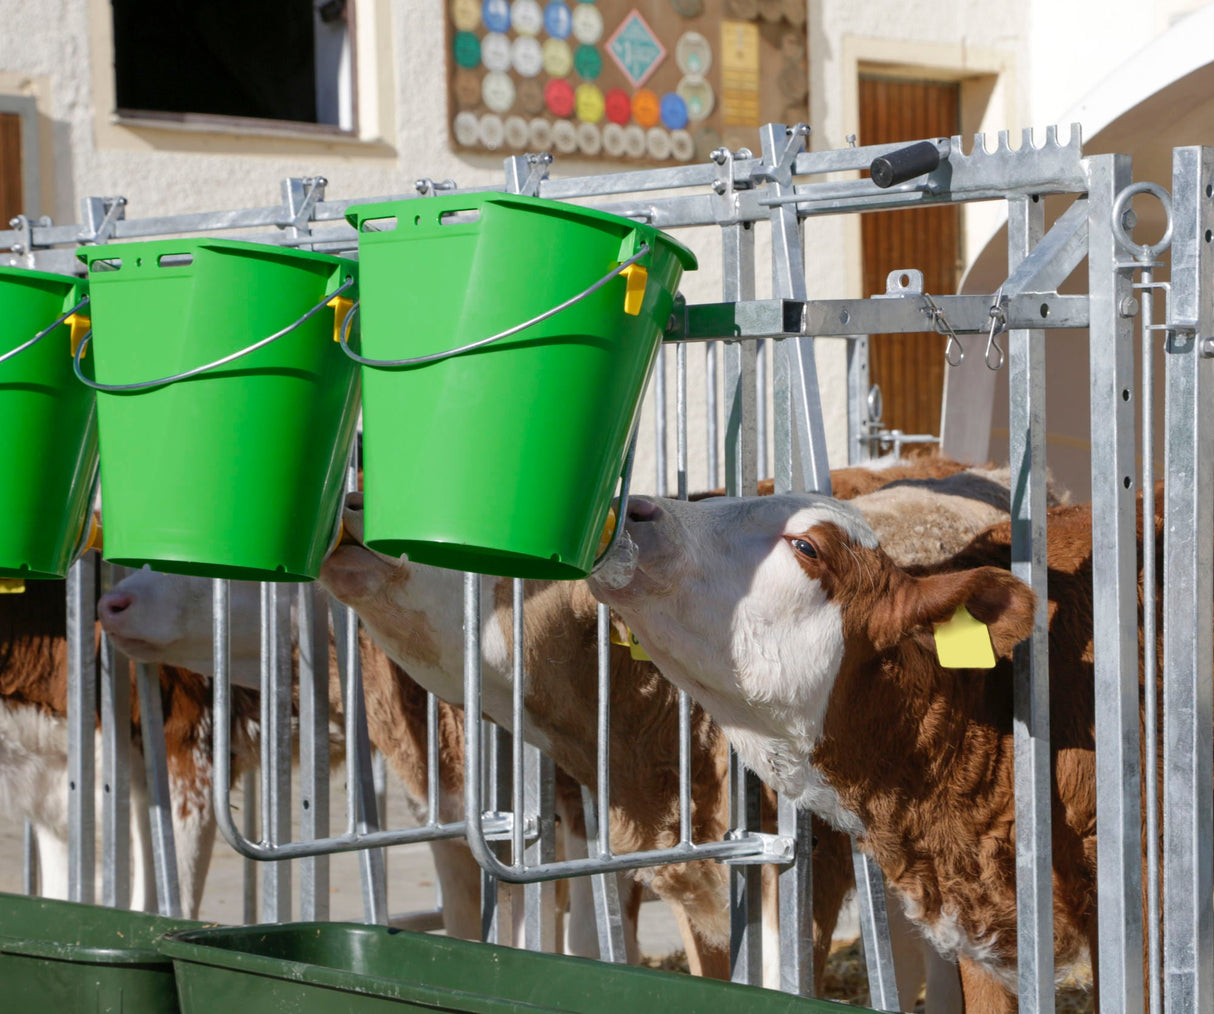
(634, 294)
(80, 326)
(341, 307)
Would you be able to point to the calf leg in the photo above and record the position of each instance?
(983, 993)
(460, 878)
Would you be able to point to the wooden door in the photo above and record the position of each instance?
(11, 183)
(910, 367)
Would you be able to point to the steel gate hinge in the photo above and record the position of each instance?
(768, 848)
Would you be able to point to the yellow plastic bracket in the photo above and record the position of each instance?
(608, 530)
(341, 307)
(632, 644)
(634, 294)
(11, 586)
(964, 643)
(80, 326)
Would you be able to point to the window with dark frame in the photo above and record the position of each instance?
(286, 60)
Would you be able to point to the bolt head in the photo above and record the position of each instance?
(1207, 347)
(1128, 307)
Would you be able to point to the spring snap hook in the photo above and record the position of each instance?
(954, 351)
(998, 314)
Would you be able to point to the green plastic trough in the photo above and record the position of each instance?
(57, 956)
(325, 968)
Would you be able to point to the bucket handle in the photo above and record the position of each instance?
(619, 269)
(45, 331)
(262, 343)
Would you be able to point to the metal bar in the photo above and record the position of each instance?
(1056, 253)
(603, 772)
(275, 760)
(659, 422)
(539, 900)
(711, 410)
(680, 400)
(879, 957)
(496, 917)
(746, 881)
(1188, 652)
(81, 724)
(796, 902)
(115, 778)
(1114, 548)
(160, 802)
(741, 416)
(249, 866)
(29, 853)
(604, 888)
(1031, 687)
(313, 748)
(859, 446)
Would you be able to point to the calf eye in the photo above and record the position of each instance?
(804, 547)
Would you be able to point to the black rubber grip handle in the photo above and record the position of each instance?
(905, 164)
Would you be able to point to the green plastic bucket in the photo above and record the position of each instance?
(320, 968)
(236, 471)
(61, 956)
(48, 458)
(502, 459)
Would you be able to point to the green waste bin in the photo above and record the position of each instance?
(58, 956)
(503, 458)
(323, 968)
(48, 458)
(236, 471)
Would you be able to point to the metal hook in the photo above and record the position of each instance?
(998, 324)
(954, 351)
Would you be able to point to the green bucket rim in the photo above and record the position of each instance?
(111, 251)
(358, 213)
(13, 271)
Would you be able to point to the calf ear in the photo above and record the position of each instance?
(992, 596)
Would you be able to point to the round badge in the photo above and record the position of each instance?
(498, 91)
(530, 96)
(634, 141)
(742, 10)
(526, 56)
(587, 24)
(492, 131)
(495, 52)
(558, 97)
(618, 105)
(793, 82)
(465, 14)
(527, 17)
(698, 96)
(682, 146)
(564, 137)
(646, 109)
(539, 134)
(467, 88)
(613, 140)
(693, 54)
(674, 111)
(587, 62)
(688, 8)
(496, 15)
(558, 59)
(467, 50)
(657, 143)
(589, 140)
(707, 141)
(516, 133)
(558, 22)
(589, 102)
(465, 127)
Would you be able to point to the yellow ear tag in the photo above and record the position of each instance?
(341, 307)
(11, 586)
(964, 643)
(634, 294)
(632, 644)
(608, 531)
(80, 325)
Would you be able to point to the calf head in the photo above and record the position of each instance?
(755, 606)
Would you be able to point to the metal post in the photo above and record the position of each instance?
(160, 802)
(1031, 701)
(81, 723)
(1188, 654)
(115, 778)
(859, 446)
(313, 748)
(275, 759)
(1114, 580)
(29, 849)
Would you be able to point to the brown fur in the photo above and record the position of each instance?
(938, 801)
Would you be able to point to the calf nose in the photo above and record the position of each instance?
(354, 501)
(112, 605)
(641, 510)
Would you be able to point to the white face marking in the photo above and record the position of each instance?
(718, 599)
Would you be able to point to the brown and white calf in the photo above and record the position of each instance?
(34, 743)
(814, 650)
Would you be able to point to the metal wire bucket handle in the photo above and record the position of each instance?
(262, 343)
(434, 356)
(45, 331)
